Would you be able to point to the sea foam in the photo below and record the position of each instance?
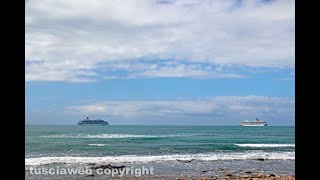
(106, 136)
(97, 144)
(148, 158)
(265, 145)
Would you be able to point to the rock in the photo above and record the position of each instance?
(260, 176)
(272, 175)
(182, 178)
(204, 171)
(185, 161)
(221, 169)
(114, 167)
(90, 175)
(97, 166)
(103, 166)
(248, 172)
(229, 175)
(203, 178)
(260, 159)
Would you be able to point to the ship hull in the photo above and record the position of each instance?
(253, 124)
(93, 124)
(96, 122)
(248, 124)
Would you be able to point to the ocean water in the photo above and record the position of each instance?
(160, 145)
(159, 141)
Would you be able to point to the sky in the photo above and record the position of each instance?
(160, 62)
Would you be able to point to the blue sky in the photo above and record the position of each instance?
(160, 62)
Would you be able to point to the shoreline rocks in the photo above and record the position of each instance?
(244, 177)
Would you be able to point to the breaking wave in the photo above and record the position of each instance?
(265, 145)
(131, 158)
(107, 136)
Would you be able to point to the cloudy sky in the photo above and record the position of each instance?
(160, 61)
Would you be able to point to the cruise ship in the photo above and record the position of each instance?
(93, 122)
(257, 122)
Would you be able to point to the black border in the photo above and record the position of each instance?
(13, 69)
(306, 133)
(13, 122)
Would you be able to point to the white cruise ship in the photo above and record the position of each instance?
(257, 122)
(93, 122)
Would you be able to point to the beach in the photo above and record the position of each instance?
(183, 170)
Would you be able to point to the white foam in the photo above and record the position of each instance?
(132, 158)
(97, 144)
(265, 145)
(107, 136)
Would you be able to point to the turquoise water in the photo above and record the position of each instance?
(158, 142)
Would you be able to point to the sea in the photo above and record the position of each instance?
(172, 151)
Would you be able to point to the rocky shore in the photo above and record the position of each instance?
(243, 177)
(226, 177)
(182, 170)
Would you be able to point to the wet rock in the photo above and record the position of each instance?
(229, 175)
(114, 167)
(97, 166)
(221, 169)
(185, 161)
(272, 175)
(260, 159)
(104, 166)
(248, 172)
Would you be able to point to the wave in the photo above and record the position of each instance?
(265, 145)
(107, 136)
(132, 158)
(97, 144)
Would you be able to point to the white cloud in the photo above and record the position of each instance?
(181, 70)
(211, 110)
(74, 40)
